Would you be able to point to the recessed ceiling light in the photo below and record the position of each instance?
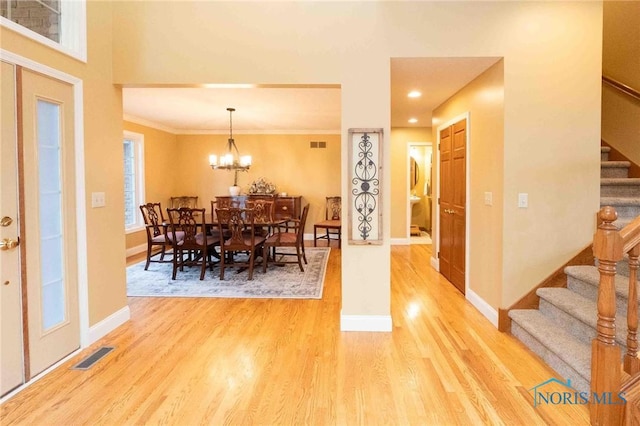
(414, 94)
(413, 120)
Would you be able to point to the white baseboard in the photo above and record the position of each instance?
(400, 241)
(107, 325)
(137, 249)
(435, 263)
(485, 309)
(366, 323)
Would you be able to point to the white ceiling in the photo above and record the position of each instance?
(295, 109)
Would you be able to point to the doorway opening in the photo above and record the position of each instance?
(420, 160)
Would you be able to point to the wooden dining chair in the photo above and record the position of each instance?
(263, 213)
(331, 225)
(196, 248)
(155, 227)
(240, 224)
(288, 234)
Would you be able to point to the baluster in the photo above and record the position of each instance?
(631, 361)
(605, 354)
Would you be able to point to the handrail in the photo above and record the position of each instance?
(630, 235)
(628, 90)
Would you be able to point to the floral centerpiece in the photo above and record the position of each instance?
(261, 186)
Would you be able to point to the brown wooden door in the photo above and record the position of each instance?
(453, 141)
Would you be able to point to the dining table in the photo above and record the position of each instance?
(211, 224)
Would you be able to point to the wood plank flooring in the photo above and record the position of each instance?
(285, 362)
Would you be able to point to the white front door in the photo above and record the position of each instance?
(11, 360)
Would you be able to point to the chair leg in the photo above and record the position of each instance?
(252, 259)
(299, 258)
(223, 256)
(175, 266)
(315, 236)
(162, 254)
(204, 267)
(339, 237)
(146, 266)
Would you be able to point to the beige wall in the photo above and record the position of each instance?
(552, 64)
(287, 161)
(401, 137)
(621, 61)
(483, 99)
(103, 154)
(160, 151)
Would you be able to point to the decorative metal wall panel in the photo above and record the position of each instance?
(365, 191)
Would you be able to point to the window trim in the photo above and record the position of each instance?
(73, 36)
(138, 146)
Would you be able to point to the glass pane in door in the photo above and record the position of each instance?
(50, 214)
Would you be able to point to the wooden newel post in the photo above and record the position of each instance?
(605, 354)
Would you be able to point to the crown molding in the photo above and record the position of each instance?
(148, 123)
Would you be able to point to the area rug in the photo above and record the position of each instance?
(286, 282)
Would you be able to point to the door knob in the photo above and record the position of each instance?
(6, 221)
(8, 244)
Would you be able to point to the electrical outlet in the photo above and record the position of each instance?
(523, 200)
(98, 199)
(488, 198)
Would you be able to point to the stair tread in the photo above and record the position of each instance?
(620, 181)
(565, 346)
(615, 164)
(619, 201)
(590, 275)
(605, 149)
(585, 310)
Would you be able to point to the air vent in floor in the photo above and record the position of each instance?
(89, 361)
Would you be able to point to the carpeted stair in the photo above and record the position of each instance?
(560, 331)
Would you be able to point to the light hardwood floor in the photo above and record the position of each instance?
(284, 362)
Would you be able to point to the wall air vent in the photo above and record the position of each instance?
(317, 144)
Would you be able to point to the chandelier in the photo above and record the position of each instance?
(232, 160)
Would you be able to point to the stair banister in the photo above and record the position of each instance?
(630, 235)
(605, 354)
(631, 361)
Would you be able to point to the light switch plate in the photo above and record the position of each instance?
(488, 198)
(98, 199)
(523, 200)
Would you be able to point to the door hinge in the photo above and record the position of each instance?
(438, 255)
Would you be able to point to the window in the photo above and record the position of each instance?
(133, 180)
(59, 24)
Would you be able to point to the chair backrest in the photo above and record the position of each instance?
(188, 220)
(303, 221)
(238, 224)
(262, 209)
(333, 208)
(153, 218)
(184, 201)
(222, 203)
(227, 202)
